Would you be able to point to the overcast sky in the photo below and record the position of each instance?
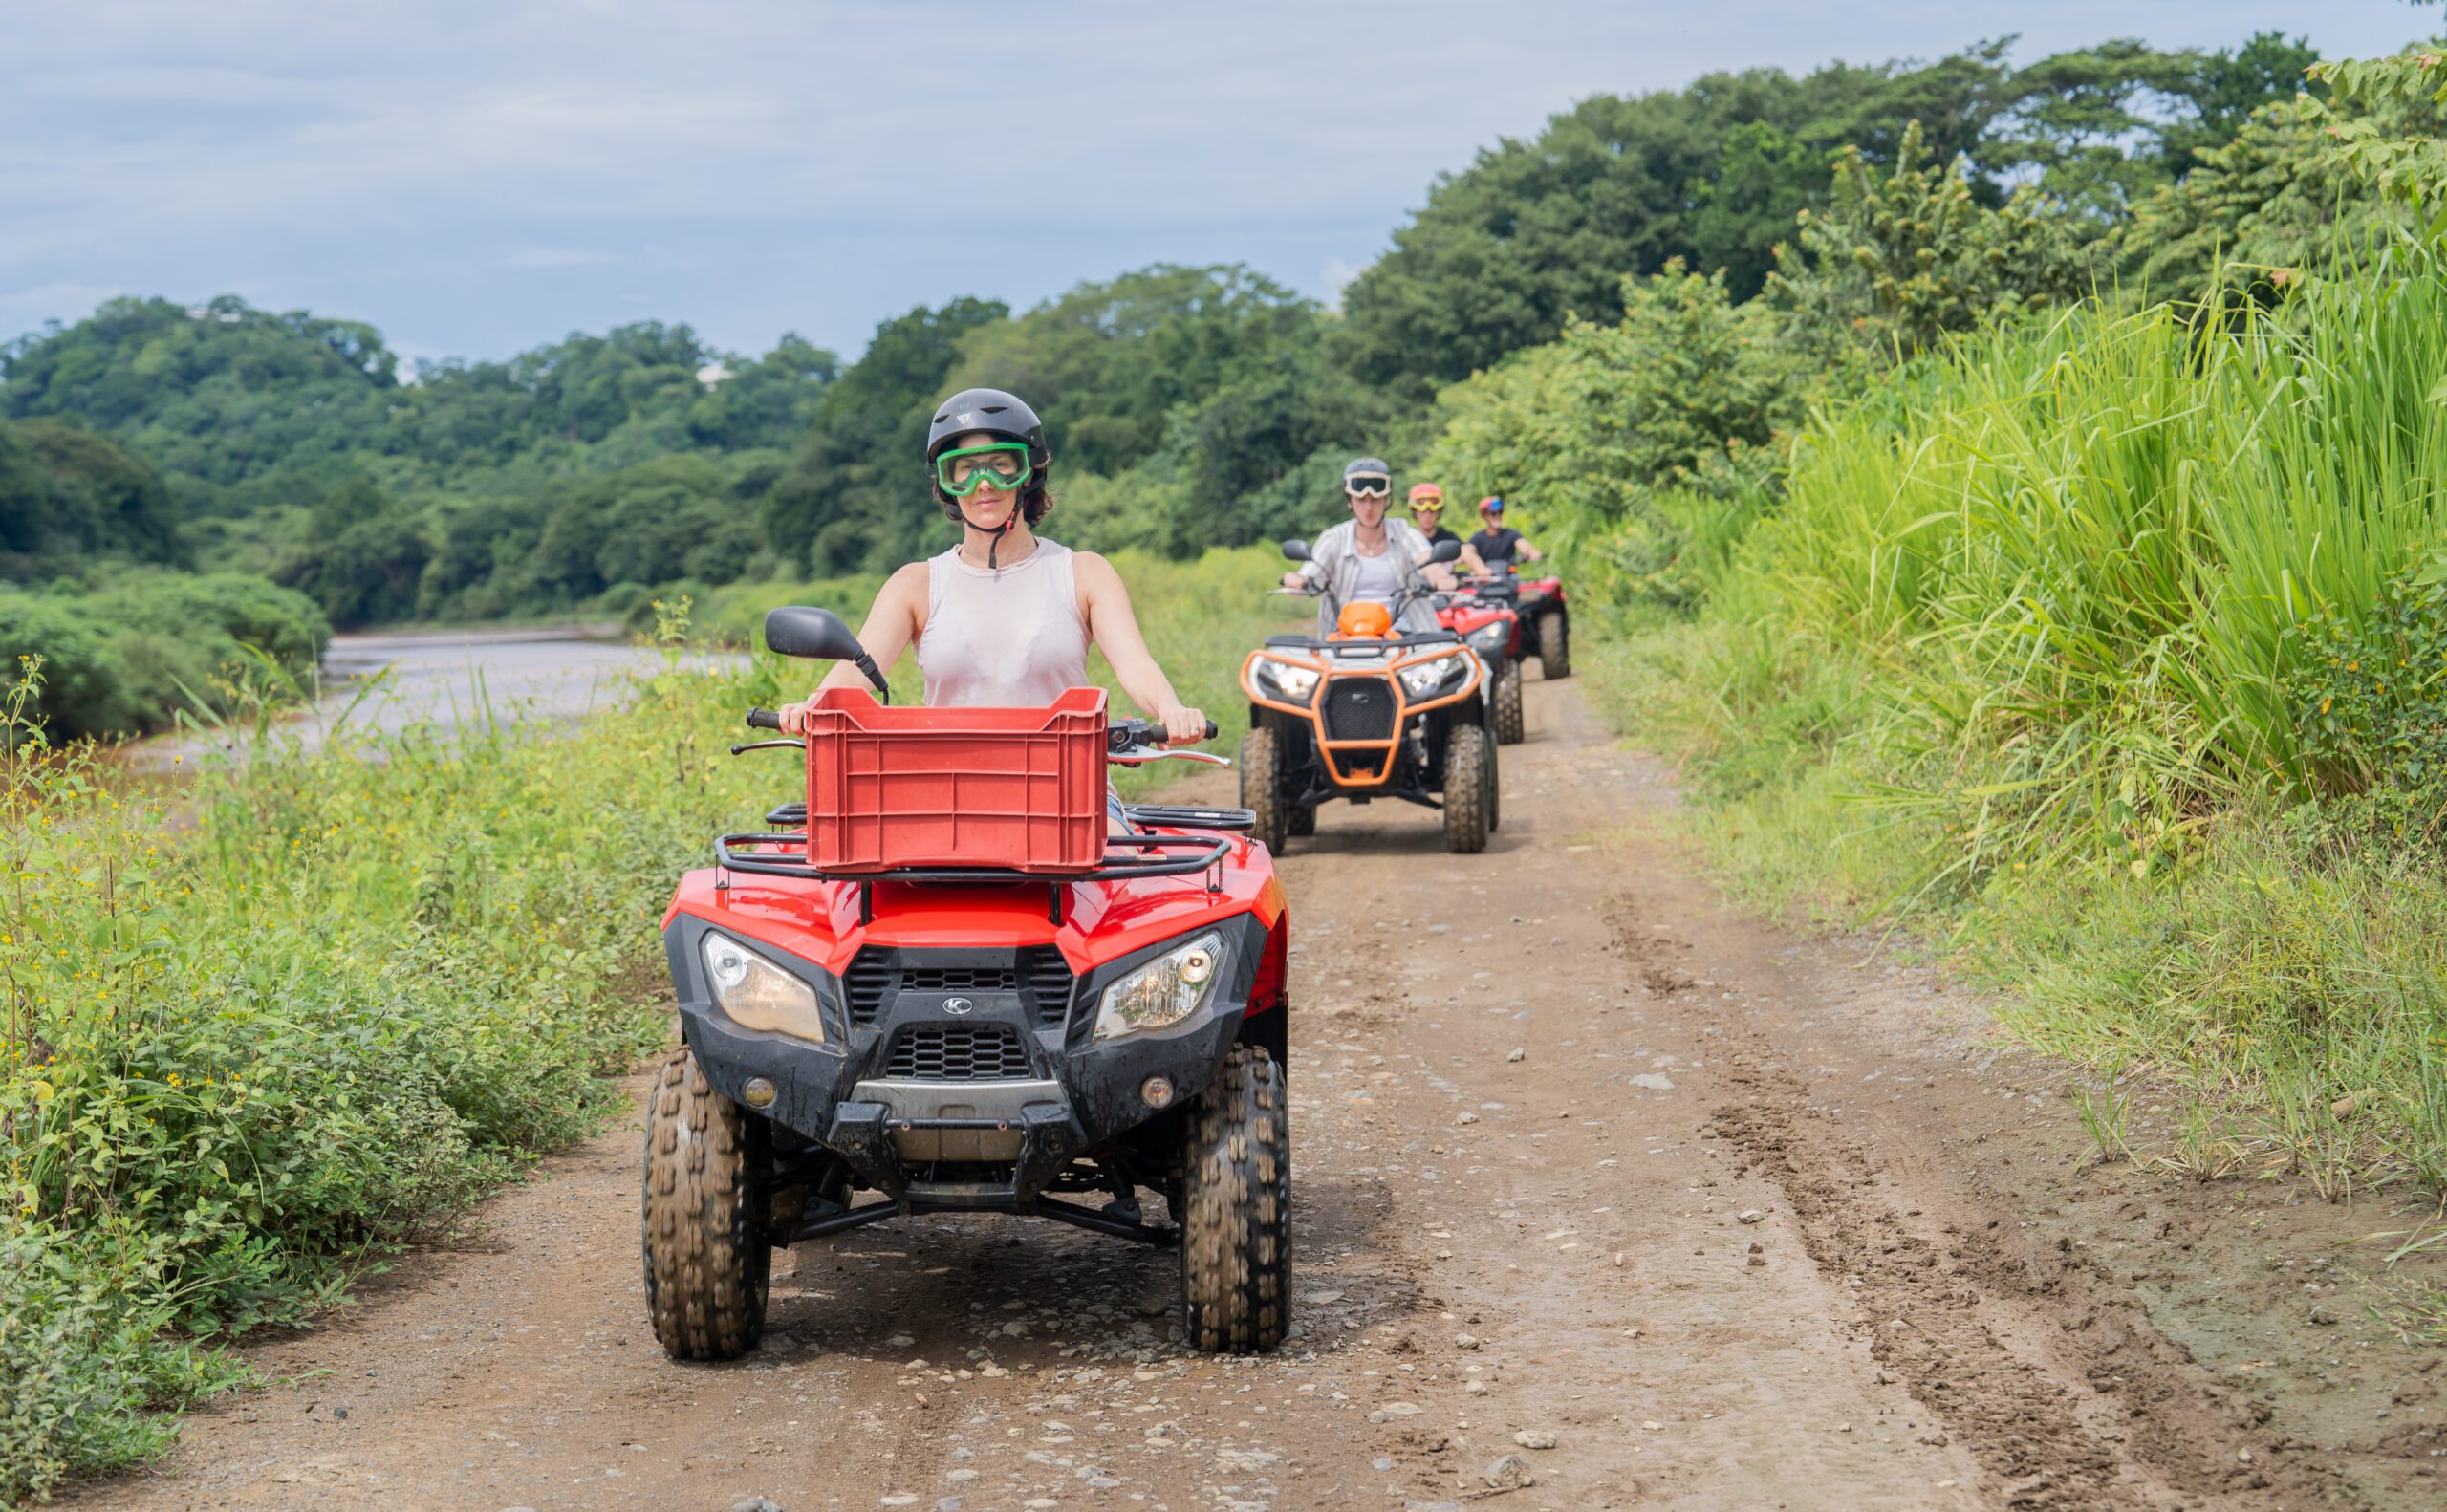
(478, 178)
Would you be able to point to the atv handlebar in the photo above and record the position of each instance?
(1121, 735)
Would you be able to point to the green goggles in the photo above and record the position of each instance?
(1004, 464)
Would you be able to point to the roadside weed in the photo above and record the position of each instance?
(2104, 1113)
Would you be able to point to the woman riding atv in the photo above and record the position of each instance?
(1367, 557)
(1004, 619)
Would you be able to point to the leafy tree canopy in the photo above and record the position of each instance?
(1715, 174)
(245, 409)
(67, 494)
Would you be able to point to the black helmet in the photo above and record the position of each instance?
(1005, 417)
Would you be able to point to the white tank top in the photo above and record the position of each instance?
(1010, 639)
(1377, 578)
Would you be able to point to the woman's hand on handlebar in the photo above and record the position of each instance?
(1296, 580)
(794, 716)
(1184, 727)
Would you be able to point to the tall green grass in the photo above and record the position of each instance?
(2020, 658)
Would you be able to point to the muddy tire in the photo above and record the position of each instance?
(1261, 787)
(1511, 725)
(707, 1251)
(1554, 647)
(1236, 1210)
(1299, 819)
(1468, 785)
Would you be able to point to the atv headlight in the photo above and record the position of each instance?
(1286, 681)
(1164, 991)
(1428, 679)
(758, 994)
(1490, 640)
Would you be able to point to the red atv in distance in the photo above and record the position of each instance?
(1545, 623)
(963, 978)
(1481, 612)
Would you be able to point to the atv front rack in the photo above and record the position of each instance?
(1207, 854)
(1175, 816)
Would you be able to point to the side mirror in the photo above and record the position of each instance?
(1296, 550)
(1445, 552)
(817, 634)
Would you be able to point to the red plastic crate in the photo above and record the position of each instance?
(889, 788)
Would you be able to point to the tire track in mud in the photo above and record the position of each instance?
(2058, 1386)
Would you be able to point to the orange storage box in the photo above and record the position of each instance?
(1018, 789)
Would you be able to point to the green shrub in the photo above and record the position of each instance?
(2370, 703)
(82, 1362)
(133, 654)
(81, 686)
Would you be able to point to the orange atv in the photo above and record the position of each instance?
(1363, 714)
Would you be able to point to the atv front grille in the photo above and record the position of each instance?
(1359, 709)
(878, 975)
(958, 1052)
(1050, 981)
(868, 983)
(959, 979)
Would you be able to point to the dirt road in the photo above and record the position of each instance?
(1678, 1209)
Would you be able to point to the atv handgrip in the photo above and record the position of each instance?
(1122, 735)
(764, 720)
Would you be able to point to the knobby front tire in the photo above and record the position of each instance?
(1236, 1218)
(707, 1252)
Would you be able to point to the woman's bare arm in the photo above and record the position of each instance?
(1115, 627)
(892, 624)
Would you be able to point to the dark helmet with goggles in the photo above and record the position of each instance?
(1013, 457)
(1369, 475)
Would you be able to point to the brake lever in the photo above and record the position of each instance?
(766, 745)
(1141, 756)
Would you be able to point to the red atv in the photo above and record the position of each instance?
(963, 979)
(1481, 611)
(1546, 626)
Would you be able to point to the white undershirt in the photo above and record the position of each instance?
(1377, 579)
